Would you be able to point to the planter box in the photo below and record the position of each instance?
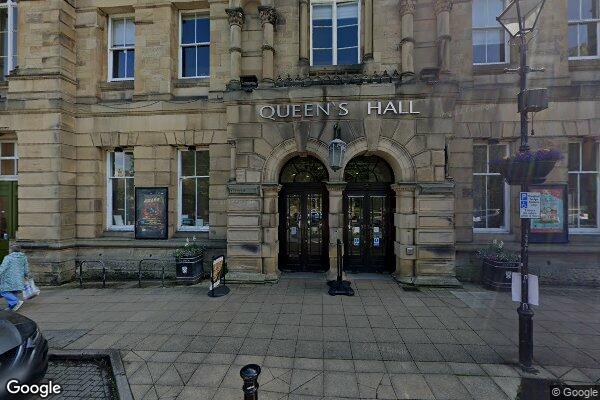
(519, 172)
(497, 275)
(189, 269)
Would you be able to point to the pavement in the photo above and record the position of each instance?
(384, 343)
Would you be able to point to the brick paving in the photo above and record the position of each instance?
(383, 343)
(80, 380)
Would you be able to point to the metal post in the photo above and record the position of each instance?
(339, 261)
(249, 374)
(525, 312)
(81, 275)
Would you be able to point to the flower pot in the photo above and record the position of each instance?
(497, 275)
(189, 269)
(518, 172)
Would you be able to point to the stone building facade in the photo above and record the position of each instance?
(106, 96)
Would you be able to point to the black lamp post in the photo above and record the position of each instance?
(519, 18)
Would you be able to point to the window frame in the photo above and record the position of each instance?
(12, 31)
(14, 158)
(486, 28)
(580, 22)
(580, 171)
(200, 14)
(111, 49)
(506, 191)
(180, 178)
(334, 27)
(110, 226)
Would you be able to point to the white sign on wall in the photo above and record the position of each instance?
(529, 204)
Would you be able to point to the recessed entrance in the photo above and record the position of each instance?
(368, 203)
(303, 208)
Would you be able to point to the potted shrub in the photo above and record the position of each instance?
(527, 166)
(189, 261)
(498, 264)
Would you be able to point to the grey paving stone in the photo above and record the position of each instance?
(282, 348)
(337, 350)
(340, 384)
(482, 388)
(447, 387)
(365, 351)
(309, 349)
(424, 352)
(411, 386)
(338, 365)
(395, 351)
(361, 334)
(307, 382)
(414, 336)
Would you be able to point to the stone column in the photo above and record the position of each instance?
(268, 18)
(368, 44)
(270, 227)
(405, 222)
(336, 224)
(232, 159)
(407, 43)
(304, 34)
(442, 12)
(236, 19)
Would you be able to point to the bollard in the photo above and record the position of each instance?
(249, 374)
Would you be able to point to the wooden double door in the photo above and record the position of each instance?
(369, 230)
(303, 227)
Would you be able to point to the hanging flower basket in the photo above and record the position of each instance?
(527, 167)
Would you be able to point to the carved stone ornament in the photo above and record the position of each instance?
(235, 16)
(268, 15)
(407, 7)
(442, 5)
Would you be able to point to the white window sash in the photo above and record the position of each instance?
(10, 6)
(14, 159)
(506, 192)
(199, 15)
(109, 192)
(486, 28)
(181, 177)
(580, 171)
(112, 48)
(581, 22)
(334, 48)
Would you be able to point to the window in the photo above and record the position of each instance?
(8, 160)
(490, 192)
(583, 187)
(489, 39)
(120, 190)
(194, 48)
(583, 28)
(121, 50)
(335, 33)
(193, 190)
(8, 31)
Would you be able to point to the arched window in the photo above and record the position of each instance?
(303, 170)
(368, 169)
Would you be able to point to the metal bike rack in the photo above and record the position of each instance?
(154, 260)
(92, 262)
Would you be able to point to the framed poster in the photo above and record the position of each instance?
(553, 224)
(151, 212)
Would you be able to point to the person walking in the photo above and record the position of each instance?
(13, 272)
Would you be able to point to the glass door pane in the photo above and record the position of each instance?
(293, 226)
(355, 225)
(377, 217)
(314, 218)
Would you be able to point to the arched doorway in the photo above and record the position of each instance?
(303, 207)
(368, 208)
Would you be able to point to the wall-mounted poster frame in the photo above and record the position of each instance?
(553, 224)
(151, 213)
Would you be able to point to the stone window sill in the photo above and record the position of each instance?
(336, 69)
(192, 82)
(189, 234)
(490, 69)
(119, 234)
(116, 86)
(583, 65)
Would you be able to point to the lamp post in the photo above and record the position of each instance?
(337, 149)
(518, 19)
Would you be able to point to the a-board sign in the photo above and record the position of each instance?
(151, 212)
(217, 271)
(529, 205)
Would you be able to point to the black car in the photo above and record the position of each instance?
(23, 350)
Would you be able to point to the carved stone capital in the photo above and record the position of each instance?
(268, 15)
(236, 16)
(407, 7)
(442, 5)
